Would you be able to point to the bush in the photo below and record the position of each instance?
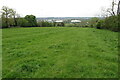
(4, 25)
(100, 24)
(22, 22)
(110, 23)
(44, 24)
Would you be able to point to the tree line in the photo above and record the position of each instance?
(10, 18)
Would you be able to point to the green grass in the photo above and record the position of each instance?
(59, 53)
(0, 54)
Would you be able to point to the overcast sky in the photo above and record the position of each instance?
(57, 8)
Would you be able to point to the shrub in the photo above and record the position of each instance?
(44, 24)
(22, 22)
(110, 23)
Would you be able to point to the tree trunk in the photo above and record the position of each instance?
(118, 11)
(6, 21)
(15, 21)
(113, 4)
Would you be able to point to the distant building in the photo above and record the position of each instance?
(59, 21)
(75, 21)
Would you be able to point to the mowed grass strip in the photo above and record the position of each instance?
(59, 52)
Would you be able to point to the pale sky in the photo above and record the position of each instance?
(57, 8)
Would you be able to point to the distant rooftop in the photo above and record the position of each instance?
(75, 21)
(59, 21)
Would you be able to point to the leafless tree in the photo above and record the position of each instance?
(112, 11)
(118, 10)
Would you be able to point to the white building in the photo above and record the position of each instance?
(59, 21)
(75, 21)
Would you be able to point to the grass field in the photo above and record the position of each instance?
(59, 53)
(0, 54)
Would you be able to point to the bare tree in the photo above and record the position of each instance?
(113, 6)
(112, 11)
(105, 12)
(118, 10)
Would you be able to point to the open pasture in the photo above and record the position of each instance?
(59, 52)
